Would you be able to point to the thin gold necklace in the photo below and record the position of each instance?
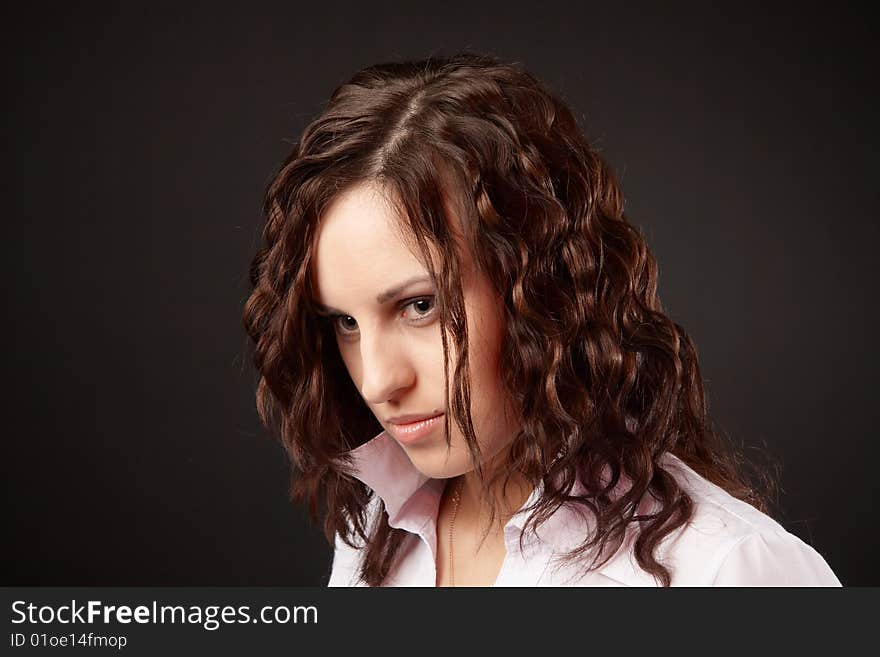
(456, 498)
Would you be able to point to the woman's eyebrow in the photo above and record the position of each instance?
(392, 292)
(383, 297)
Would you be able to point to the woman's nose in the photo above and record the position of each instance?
(386, 369)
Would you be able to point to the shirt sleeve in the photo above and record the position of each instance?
(346, 564)
(774, 559)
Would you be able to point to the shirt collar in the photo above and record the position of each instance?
(383, 465)
(411, 500)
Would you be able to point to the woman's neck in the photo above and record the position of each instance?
(474, 508)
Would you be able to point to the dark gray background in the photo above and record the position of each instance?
(140, 139)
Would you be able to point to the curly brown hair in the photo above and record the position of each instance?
(604, 382)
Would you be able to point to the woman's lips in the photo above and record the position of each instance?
(415, 431)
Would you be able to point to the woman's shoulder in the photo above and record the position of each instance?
(345, 566)
(732, 518)
(727, 542)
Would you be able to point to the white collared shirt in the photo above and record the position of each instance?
(726, 543)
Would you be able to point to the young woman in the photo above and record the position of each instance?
(460, 344)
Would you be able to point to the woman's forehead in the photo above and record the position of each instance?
(362, 237)
(359, 245)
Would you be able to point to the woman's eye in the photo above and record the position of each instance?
(345, 323)
(416, 311)
(423, 307)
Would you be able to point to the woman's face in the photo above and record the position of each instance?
(387, 328)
